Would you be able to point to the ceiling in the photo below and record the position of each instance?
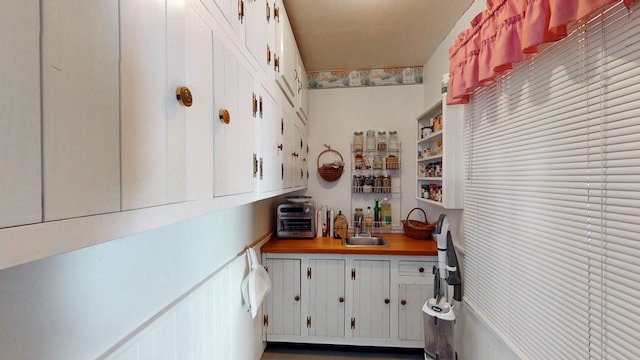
(370, 34)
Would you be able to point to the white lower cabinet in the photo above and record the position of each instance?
(366, 300)
(282, 307)
(326, 303)
(371, 299)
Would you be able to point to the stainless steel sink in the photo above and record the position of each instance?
(360, 240)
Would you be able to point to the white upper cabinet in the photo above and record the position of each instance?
(303, 85)
(260, 32)
(153, 136)
(235, 157)
(232, 11)
(20, 161)
(80, 108)
(200, 115)
(285, 61)
(269, 143)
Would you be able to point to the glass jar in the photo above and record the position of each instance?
(386, 184)
(381, 141)
(357, 183)
(358, 141)
(367, 186)
(377, 162)
(394, 143)
(358, 220)
(371, 140)
(359, 162)
(377, 183)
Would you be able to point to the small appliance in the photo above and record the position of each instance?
(296, 220)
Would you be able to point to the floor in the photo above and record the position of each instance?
(299, 353)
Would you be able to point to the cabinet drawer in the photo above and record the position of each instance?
(416, 268)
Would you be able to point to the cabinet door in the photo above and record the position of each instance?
(285, 59)
(260, 32)
(326, 298)
(231, 11)
(301, 156)
(411, 297)
(269, 125)
(282, 304)
(153, 123)
(199, 57)
(371, 299)
(20, 160)
(235, 158)
(80, 108)
(303, 84)
(290, 140)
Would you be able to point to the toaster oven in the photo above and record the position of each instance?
(296, 220)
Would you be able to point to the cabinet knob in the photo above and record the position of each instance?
(403, 302)
(224, 116)
(280, 147)
(386, 301)
(341, 299)
(421, 269)
(183, 94)
(297, 298)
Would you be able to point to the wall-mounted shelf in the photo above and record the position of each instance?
(440, 151)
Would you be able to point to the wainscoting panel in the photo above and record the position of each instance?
(209, 322)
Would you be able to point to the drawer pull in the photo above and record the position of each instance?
(421, 269)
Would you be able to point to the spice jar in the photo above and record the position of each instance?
(377, 183)
(377, 162)
(367, 187)
(370, 140)
(357, 183)
(386, 184)
(358, 141)
(394, 144)
(381, 141)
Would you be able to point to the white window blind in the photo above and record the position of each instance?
(552, 196)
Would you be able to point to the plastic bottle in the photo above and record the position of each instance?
(385, 213)
(368, 221)
(376, 214)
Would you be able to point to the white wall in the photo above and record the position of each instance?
(78, 305)
(474, 339)
(337, 113)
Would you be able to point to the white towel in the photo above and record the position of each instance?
(255, 285)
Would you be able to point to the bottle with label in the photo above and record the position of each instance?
(368, 221)
(376, 214)
(385, 213)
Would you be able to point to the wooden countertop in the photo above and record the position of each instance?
(399, 244)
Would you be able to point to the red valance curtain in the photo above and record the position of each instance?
(507, 32)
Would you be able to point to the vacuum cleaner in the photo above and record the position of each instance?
(438, 312)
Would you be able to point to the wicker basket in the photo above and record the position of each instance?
(415, 229)
(330, 171)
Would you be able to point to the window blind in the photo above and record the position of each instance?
(552, 196)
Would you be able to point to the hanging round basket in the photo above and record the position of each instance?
(333, 170)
